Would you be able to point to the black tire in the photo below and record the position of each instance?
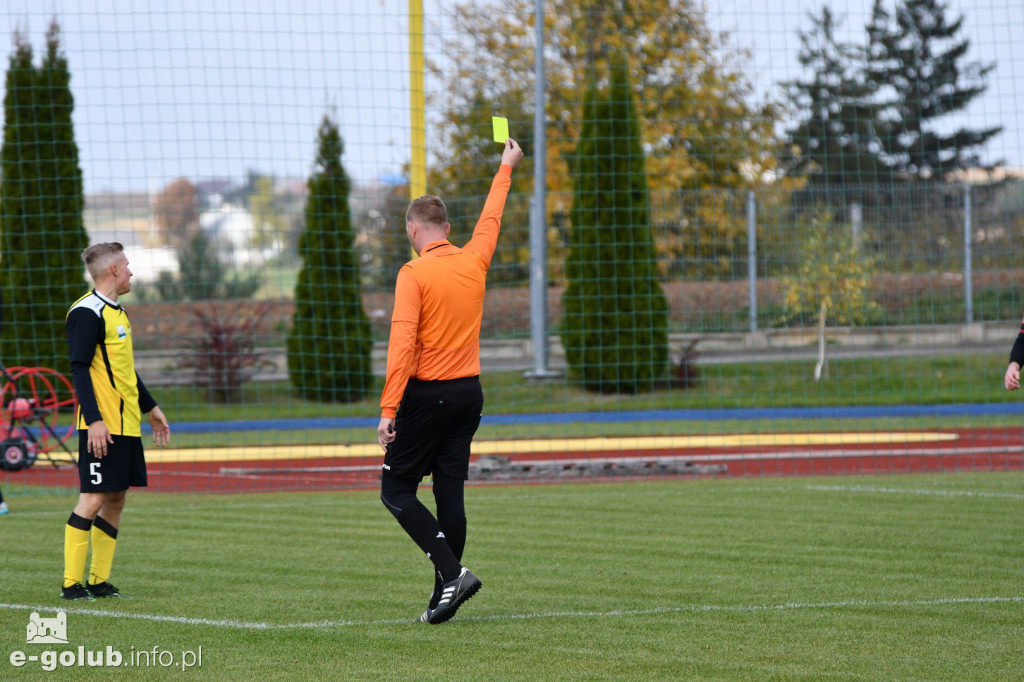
(14, 454)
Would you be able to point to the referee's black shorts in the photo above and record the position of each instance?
(434, 428)
(122, 467)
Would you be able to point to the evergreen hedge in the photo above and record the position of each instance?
(615, 330)
(330, 342)
(42, 232)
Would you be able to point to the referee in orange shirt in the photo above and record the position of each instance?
(432, 400)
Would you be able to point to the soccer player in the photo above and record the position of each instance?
(432, 399)
(111, 402)
(1011, 380)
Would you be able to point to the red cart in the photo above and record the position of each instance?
(37, 417)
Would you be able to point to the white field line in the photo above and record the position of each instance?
(219, 508)
(911, 491)
(697, 608)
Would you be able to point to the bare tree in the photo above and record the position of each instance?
(176, 212)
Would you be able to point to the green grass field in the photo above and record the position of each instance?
(913, 577)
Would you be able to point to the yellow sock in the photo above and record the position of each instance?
(76, 548)
(104, 542)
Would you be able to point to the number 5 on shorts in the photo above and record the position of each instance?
(94, 473)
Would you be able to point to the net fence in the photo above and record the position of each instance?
(830, 203)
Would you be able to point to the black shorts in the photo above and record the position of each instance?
(434, 428)
(122, 467)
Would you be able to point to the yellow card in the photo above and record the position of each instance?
(500, 124)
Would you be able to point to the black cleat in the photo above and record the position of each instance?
(76, 593)
(103, 589)
(453, 594)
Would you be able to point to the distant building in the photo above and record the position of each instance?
(231, 228)
(981, 176)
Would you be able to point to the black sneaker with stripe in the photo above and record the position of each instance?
(453, 594)
(103, 589)
(431, 605)
(76, 592)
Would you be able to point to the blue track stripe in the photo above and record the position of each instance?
(740, 414)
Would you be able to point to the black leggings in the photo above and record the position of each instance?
(449, 495)
(442, 539)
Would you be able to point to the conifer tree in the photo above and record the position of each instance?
(615, 330)
(918, 56)
(330, 343)
(835, 143)
(41, 204)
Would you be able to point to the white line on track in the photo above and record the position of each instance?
(696, 608)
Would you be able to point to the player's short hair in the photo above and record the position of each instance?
(98, 256)
(427, 209)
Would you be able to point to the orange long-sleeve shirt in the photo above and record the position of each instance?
(439, 302)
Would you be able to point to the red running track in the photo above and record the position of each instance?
(972, 450)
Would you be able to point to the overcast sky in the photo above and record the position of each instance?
(214, 89)
(770, 30)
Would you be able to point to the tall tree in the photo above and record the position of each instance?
(917, 55)
(831, 278)
(698, 121)
(176, 212)
(269, 225)
(41, 203)
(330, 342)
(835, 143)
(615, 331)
(385, 248)
(203, 277)
(471, 155)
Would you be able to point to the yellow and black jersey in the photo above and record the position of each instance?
(103, 366)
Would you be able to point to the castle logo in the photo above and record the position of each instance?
(47, 630)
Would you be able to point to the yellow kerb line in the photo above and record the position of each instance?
(552, 445)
